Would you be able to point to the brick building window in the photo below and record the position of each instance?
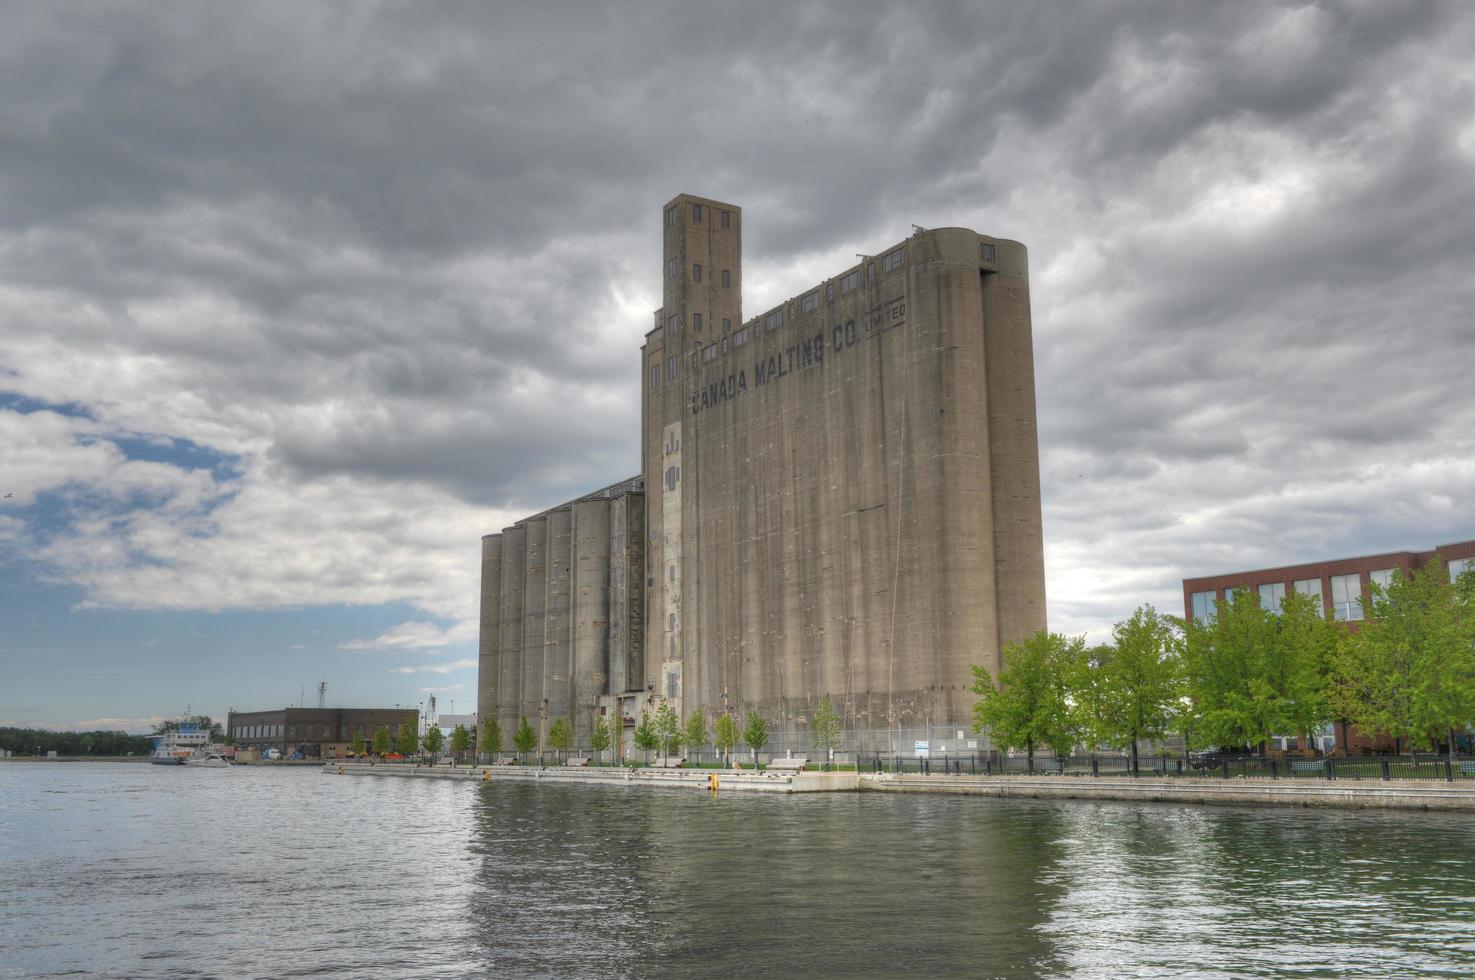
(850, 282)
(740, 338)
(892, 261)
(670, 217)
(1382, 578)
(1271, 596)
(696, 323)
(1311, 587)
(726, 278)
(810, 303)
(709, 353)
(1347, 597)
(696, 273)
(1459, 566)
(726, 325)
(696, 214)
(655, 376)
(727, 219)
(1203, 606)
(775, 319)
(673, 368)
(671, 267)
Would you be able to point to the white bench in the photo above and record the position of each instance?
(577, 760)
(674, 763)
(789, 765)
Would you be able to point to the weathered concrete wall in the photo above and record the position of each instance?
(488, 661)
(856, 508)
(627, 591)
(591, 648)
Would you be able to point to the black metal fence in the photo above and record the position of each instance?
(1383, 767)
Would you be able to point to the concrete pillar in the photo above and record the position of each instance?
(628, 593)
(557, 632)
(591, 573)
(509, 674)
(534, 609)
(490, 638)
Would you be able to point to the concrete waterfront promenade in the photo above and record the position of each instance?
(740, 781)
(1406, 794)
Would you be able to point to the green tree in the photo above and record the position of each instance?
(434, 741)
(560, 735)
(1417, 659)
(695, 734)
(755, 734)
(1250, 673)
(646, 738)
(525, 739)
(1133, 688)
(727, 735)
(1029, 705)
(668, 729)
(202, 722)
(408, 742)
(491, 738)
(381, 742)
(356, 746)
(460, 741)
(599, 738)
(824, 730)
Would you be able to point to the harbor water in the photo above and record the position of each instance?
(117, 870)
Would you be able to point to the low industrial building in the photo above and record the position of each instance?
(318, 733)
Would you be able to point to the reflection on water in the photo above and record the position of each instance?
(127, 870)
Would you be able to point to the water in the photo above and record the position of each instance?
(143, 871)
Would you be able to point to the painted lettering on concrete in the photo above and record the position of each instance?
(801, 357)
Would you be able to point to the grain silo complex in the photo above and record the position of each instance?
(839, 496)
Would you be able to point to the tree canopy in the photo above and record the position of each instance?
(727, 734)
(695, 734)
(560, 735)
(1029, 705)
(491, 737)
(824, 730)
(524, 739)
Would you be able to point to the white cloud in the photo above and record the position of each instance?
(416, 635)
(442, 690)
(445, 668)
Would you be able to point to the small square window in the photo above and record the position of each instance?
(740, 338)
(986, 252)
(810, 303)
(775, 319)
(696, 273)
(696, 214)
(709, 353)
(727, 219)
(726, 278)
(893, 260)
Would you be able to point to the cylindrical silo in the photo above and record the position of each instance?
(556, 632)
(488, 662)
(509, 674)
(534, 607)
(591, 567)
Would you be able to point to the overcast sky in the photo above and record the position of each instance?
(299, 300)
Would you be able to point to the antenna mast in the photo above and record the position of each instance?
(323, 693)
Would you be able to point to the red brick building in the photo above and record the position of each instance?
(1340, 584)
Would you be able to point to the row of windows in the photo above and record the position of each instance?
(308, 730)
(697, 210)
(1346, 592)
(673, 270)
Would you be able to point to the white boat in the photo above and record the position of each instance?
(173, 748)
(209, 760)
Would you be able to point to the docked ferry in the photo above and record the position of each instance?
(176, 747)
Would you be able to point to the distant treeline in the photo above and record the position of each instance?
(38, 741)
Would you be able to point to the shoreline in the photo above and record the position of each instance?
(1344, 794)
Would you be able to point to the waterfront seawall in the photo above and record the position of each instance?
(1352, 794)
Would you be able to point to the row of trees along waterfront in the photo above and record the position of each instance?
(663, 731)
(39, 741)
(1408, 674)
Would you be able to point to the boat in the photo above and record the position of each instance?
(209, 760)
(175, 747)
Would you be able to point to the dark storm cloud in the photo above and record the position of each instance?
(419, 243)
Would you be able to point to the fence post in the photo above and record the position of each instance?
(1225, 763)
(1095, 766)
(1386, 774)
(1331, 769)
(988, 764)
(1273, 766)
(1449, 770)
